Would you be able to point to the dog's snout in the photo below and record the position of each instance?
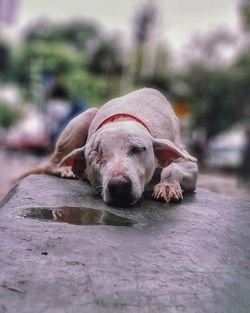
(119, 186)
(120, 191)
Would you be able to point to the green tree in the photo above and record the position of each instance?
(107, 62)
(245, 13)
(82, 84)
(80, 34)
(5, 61)
(8, 115)
(76, 51)
(215, 96)
(144, 22)
(58, 58)
(66, 61)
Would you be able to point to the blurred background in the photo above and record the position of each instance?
(57, 58)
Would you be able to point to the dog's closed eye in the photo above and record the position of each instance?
(137, 150)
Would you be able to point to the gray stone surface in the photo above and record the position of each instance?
(188, 257)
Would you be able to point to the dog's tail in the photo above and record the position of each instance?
(39, 169)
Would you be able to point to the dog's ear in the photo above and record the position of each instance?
(166, 152)
(76, 159)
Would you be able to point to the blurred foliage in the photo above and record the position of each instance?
(245, 13)
(55, 57)
(8, 115)
(92, 64)
(77, 52)
(218, 93)
(106, 59)
(208, 49)
(80, 34)
(145, 18)
(144, 23)
(4, 58)
(82, 84)
(214, 95)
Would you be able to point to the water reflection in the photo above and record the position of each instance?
(77, 216)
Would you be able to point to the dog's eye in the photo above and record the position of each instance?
(137, 150)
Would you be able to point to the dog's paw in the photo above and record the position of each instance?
(168, 192)
(63, 171)
(67, 173)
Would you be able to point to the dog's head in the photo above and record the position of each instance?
(119, 161)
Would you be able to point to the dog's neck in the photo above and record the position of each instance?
(122, 117)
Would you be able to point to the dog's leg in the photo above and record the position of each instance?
(178, 176)
(73, 136)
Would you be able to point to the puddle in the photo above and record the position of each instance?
(77, 216)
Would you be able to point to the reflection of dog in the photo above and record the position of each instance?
(86, 216)
(119, 147)
(77, 216)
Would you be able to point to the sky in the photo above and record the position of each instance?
(179, 19)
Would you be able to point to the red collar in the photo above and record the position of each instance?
(114, 117)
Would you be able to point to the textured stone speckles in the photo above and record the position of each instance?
(187, 257)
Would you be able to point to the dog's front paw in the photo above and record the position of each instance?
(67, 173)
(63, 171)
(168, 192)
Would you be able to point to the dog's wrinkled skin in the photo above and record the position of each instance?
(120, 158)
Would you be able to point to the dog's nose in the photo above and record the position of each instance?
(119, 186)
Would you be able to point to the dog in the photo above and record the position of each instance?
(123, 148)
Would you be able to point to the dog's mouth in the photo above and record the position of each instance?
(126, 200)
(119, 191)
(122, 201)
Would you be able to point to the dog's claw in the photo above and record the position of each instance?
(168, 192)
(67, 173)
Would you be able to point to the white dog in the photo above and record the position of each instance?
(120, 146)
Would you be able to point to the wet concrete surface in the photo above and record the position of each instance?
(192, 256)
(76, 216)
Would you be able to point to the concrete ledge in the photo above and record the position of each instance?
(188, 257)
